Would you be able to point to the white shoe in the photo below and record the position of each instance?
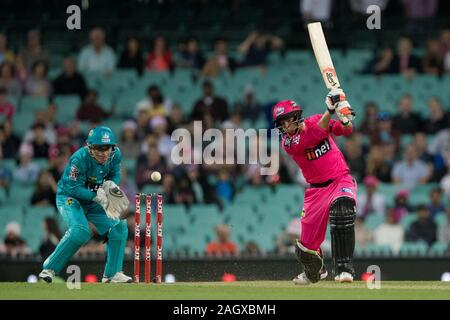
(119, 277)
(47, 275)
(302, 279)
(344, 277)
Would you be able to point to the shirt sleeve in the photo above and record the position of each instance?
(114, 174)
(75, 180)
(338, 129)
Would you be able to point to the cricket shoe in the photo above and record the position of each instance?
(47, 275)
(302, 279)
(344, 277)
(119, 277)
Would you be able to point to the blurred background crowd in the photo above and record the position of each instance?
(399, 151)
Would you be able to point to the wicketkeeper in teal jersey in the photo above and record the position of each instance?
(88, 191)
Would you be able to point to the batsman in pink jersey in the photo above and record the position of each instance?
(331, 195)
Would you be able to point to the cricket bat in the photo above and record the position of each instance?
(323, 55)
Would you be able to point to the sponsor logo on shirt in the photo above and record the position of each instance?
(347, 190)
(74, 173)
(69, 201)
(289, 141)
(318, 151)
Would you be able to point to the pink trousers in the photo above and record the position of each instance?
(316, 209)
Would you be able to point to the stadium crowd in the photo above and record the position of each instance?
(374, 152)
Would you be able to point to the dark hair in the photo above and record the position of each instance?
(422, 207)
(38, 62)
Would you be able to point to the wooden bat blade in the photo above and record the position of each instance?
(322, 54)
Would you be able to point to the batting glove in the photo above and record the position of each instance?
(333, 97)
(345, 112)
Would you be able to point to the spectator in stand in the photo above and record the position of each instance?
(70, 81)
(44, 194)
(155, 104)
(386, 132)
(434, 163)
(90, 110)
(377, 165)
(147, 164)
(405, 62)
(76, 136)
(7, 109)
(159, 58)
(389, 233)
(419, 15)
(131, 57)
(248, 108)
(5, 176)
(97, 56)
(401, 205)
(34, 51)
(369, 125)
(363, 236)
(381, 63)
(39, 142)
(432, 62)
(210, 104)
(257, 46)
(444, 229)
(438, 119)
(286, 240)
(410, 171)
(8, 81)
(353, 152)
(58, 159)
(42, 117)
(313, 11)
(222, 246)
(37, 84)
(371, 202)
(444, 40)
(6, 55)
(406, 120)
(175, 119)
(158, 125)
(22, 73)
(191, 56)
(436, 204)
(126, 185)
(11, 142)
(424, 228)
(142, 119)
(13, 245)
(224, 188)
(220, 60)
(51, 238)
(168, 188)
(129, 142)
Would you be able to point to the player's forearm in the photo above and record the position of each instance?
(325, 120)
(81, 193)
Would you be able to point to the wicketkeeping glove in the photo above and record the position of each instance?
(118, 201)
(102, 200)
(333, 97)
(345, 112)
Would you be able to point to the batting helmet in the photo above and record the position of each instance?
(286, 109)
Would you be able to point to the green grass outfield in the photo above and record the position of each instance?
(271, 290)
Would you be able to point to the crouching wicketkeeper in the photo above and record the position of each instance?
(88, 191)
